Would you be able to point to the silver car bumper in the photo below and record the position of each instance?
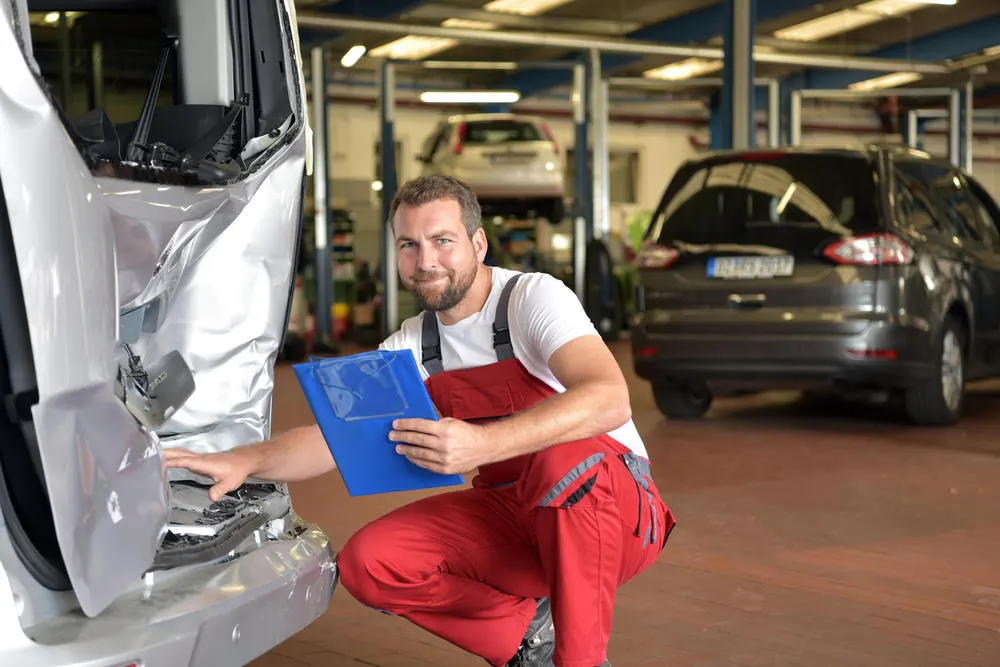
(225, 614)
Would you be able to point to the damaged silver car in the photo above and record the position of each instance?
(146, 272)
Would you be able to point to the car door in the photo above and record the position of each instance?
(958, 210)
(988, 219)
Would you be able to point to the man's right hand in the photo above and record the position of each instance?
(227, 469)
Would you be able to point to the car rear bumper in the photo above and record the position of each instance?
(224, 614)
(792, 360)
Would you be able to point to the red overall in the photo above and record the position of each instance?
(572, 523)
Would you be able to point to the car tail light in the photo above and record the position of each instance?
(551, 137)
(645, 351)
(656, 257)
(459, 139)
(870, 249)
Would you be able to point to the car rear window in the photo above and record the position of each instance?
(794, 202)
(501, 131)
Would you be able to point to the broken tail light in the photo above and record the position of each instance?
(870, 249)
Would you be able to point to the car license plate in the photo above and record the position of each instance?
(748, 268)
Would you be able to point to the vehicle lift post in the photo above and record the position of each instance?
(323, 340)
(951, 95)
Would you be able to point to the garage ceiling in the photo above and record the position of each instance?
(899, 29)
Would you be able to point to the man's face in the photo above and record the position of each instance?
(437, 259)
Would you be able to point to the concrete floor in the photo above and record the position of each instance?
(808, 534)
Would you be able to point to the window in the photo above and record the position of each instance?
(913, 203)
(492, 132)
(185, 109)
(989, 214)
(795, 203)
(953, 200)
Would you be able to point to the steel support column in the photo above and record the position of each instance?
(598, 90)
(774, 113)
(583, 202)
(955, 128)
(321, 206)
(387, 174)
(968, 121)
(738, 125)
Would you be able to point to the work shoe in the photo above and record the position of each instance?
(539, 642)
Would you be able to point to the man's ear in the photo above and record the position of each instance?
(480, 244)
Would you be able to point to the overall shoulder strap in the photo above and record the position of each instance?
(501, 330)
(430, 344)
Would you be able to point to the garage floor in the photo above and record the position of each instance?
(808, 535)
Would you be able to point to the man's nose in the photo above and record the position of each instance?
(427, 258)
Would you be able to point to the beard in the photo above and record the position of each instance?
(455, 289)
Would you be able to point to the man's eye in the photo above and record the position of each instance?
(444, 241)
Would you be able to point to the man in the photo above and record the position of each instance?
(523, 568)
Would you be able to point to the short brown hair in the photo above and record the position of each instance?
(425, 189)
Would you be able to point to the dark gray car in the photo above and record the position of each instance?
(875, 268)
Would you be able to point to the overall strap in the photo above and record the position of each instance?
(430, 344)
(430, 337)
(501, 330)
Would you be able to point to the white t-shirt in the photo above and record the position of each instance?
(544, 316)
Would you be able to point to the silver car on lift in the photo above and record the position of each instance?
(146, 270)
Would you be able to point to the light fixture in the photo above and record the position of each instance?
(886, 81)
(846, 20)
(684, 69)
(524, 7)
(418, 47)
(52, 17)
(413, 47)
(470, 96)
(469, 24)
(353, 55)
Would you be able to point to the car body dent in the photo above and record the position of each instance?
(209, 270)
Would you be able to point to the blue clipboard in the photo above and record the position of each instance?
(355, 399)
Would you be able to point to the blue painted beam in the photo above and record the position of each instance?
(955, 42)
(692, 28)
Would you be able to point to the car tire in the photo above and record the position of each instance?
(678, 399)
(554, 211)
(938, 401)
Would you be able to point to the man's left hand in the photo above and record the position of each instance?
(449, 446)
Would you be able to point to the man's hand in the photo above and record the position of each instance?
(449, 446)
(228, 470)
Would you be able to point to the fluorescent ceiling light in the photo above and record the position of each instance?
(524, 7)
(413, 47)
(684, 69)
(353, 55)
(470, 96)
(52, 17)
(887, 81)
(471, 24)
(417, 47)
(851, 19)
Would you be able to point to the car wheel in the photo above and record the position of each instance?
(938, 401)
(682, 399)
(554, 211)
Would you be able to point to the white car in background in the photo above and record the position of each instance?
(146, 270)
(511, 161)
